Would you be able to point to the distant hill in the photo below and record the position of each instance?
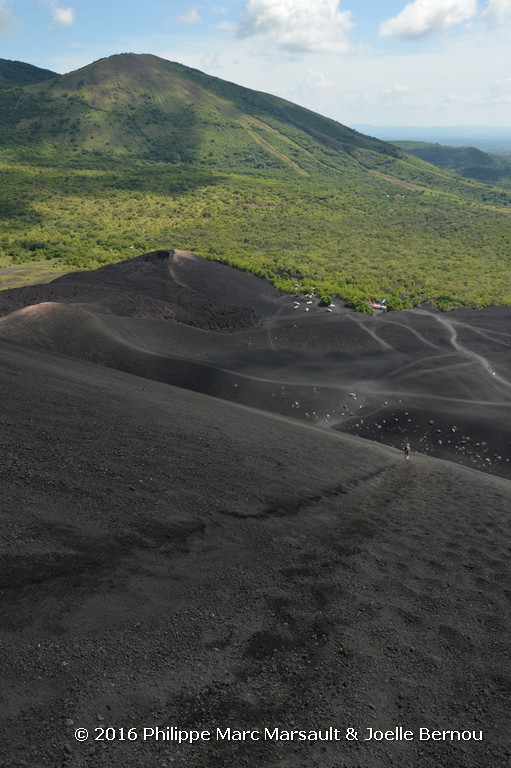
(467, 161)
(16, 73)
(493, 139)
(134, 153)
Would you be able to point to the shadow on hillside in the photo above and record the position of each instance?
(178, 136)
(156, 178)
(155, 152)
(18, 213)
(91, 173)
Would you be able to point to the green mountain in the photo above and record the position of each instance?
(136, 153)
(150, 108)
(469, 162)
(16, 73)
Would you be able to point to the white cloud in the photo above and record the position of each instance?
(423, 17)
(315, 88)
(5, 18)
(210, 61)
(297, 25)
(189, 16)
(397, 88)
(226, 26)
(497, 11)
(63, 17)
(318, 79)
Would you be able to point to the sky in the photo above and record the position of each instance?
(379, 62)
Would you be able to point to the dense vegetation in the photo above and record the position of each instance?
(467, 161)
(134, 153)
(16, 73)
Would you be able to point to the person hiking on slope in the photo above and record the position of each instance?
(407, 450)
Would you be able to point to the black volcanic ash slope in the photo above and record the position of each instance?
(171, 559)
(146, 287)
(440, 380)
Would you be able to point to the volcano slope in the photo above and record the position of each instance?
(440, 380)
(172, 559)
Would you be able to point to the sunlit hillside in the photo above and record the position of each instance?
(136, 153)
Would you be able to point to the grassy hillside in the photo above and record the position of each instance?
(148, 107)
(134, 153)
(467, 161)
(16, 73)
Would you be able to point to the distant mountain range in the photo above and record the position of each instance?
(492, 139)
(467, 161)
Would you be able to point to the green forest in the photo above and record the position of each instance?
(88, 179)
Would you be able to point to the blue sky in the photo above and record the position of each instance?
(425, 62)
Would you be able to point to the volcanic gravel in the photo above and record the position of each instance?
(215, 556)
